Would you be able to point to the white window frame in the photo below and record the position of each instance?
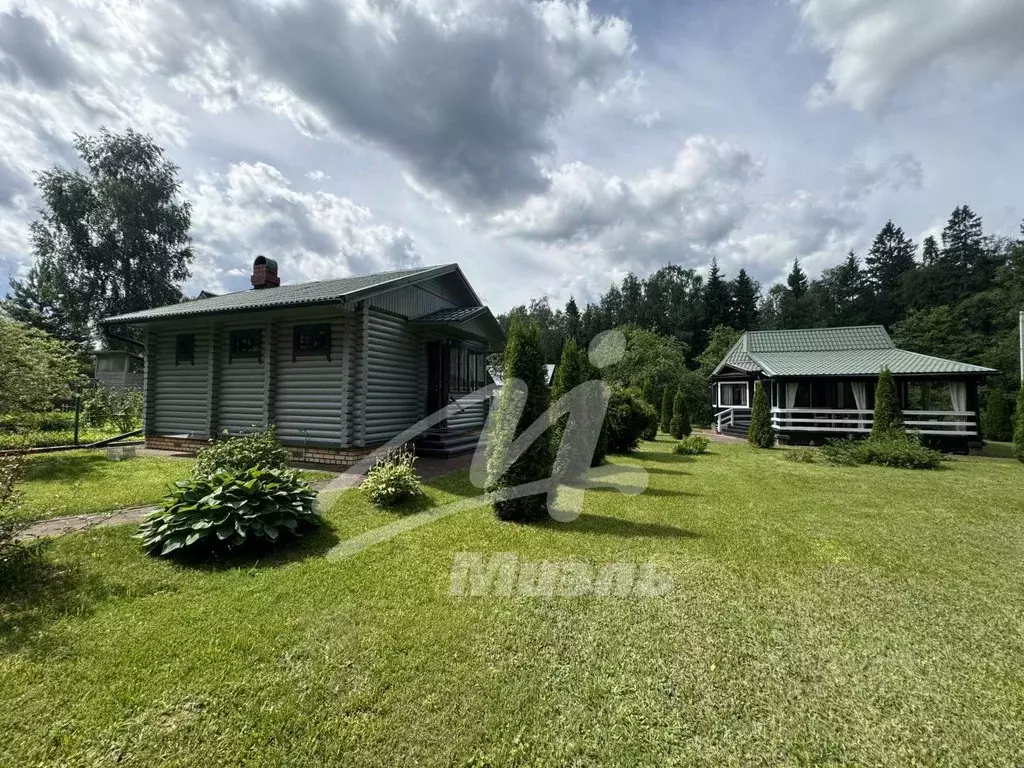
(746, 393)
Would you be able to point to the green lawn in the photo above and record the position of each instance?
(87, 482)
(820, 616)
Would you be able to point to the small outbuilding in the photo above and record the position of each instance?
(821, 384)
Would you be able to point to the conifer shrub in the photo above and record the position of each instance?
(680, 426)
(665, 415)
(888, 417)
(995, 421)
(760, 434)
(628, 419)
(524, 361)
(1018, 426)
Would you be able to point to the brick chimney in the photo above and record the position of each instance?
(264, 273)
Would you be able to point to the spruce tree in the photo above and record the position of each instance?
(890, 259)
(760, 434)
(744, 293)
(680, 425)
(524, 360)
(717, 303)
(996, 419)
(1018, 426)
(888, 417)
(665, 423)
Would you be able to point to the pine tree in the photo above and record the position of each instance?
(665, 419)
(524, 360)
(888, 417)
(717, 304)
(1018, 426)
(890, 259)
(680, 426)
(573, 321)
(760, 434)
(744, 293)
(794, 307)
(996, 419)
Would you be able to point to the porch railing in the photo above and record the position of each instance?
(728, 417)
(950, 423)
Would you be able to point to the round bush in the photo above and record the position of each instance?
(392, 480)
(628, 419)
(228, 509)
(693, 445)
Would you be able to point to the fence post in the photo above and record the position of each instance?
(78, 411)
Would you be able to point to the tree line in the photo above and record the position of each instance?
(956, 296)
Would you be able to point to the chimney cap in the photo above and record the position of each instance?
(263, 261)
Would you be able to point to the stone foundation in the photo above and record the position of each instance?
(339, 458)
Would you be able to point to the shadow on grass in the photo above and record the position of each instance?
(663, 458)
(615, 526)
(62, 467)
(315, 542)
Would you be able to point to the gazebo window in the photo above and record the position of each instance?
(733, 394)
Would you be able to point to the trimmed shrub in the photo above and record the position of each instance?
(995, 422)
(761, 434)
(694, 445)
(895, 449)
(259, 449)
(392, 479)
(42, 421)
(1018, 426)
(629, 418)
(524, 360)
(888, 418)
(665, 416)
(227, 509)
(680, 426)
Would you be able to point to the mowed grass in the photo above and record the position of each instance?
(87, 482)
(819, 616)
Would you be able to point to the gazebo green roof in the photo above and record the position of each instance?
(853, 351)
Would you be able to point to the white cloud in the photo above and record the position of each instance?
(253, 209)
(686, 207)
(874, 45)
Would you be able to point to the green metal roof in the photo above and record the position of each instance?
(450, 315)
(854, 351)
(319, 292)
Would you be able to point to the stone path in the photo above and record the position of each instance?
(428, 468)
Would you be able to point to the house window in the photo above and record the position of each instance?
(730, 395)
(311, 341)
(185, 348)
(246, 344)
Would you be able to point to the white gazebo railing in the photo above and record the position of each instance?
(737, 415)
(952, 423)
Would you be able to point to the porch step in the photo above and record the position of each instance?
(737, 430)
(443, 444)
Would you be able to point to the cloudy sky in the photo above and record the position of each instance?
(548, 147)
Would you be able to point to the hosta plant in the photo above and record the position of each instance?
(227, 509)
(258, 449)
(392, 479)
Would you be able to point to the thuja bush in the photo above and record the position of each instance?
(888, 417)
(760, 433)
(996, 419)
(665, 417)
(1018, 426)
(393, 480)
(524, 361)
(259, 449)
(680, 425)
(628, 419)
(228, 509)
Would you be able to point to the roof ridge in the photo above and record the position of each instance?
(827, 328)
